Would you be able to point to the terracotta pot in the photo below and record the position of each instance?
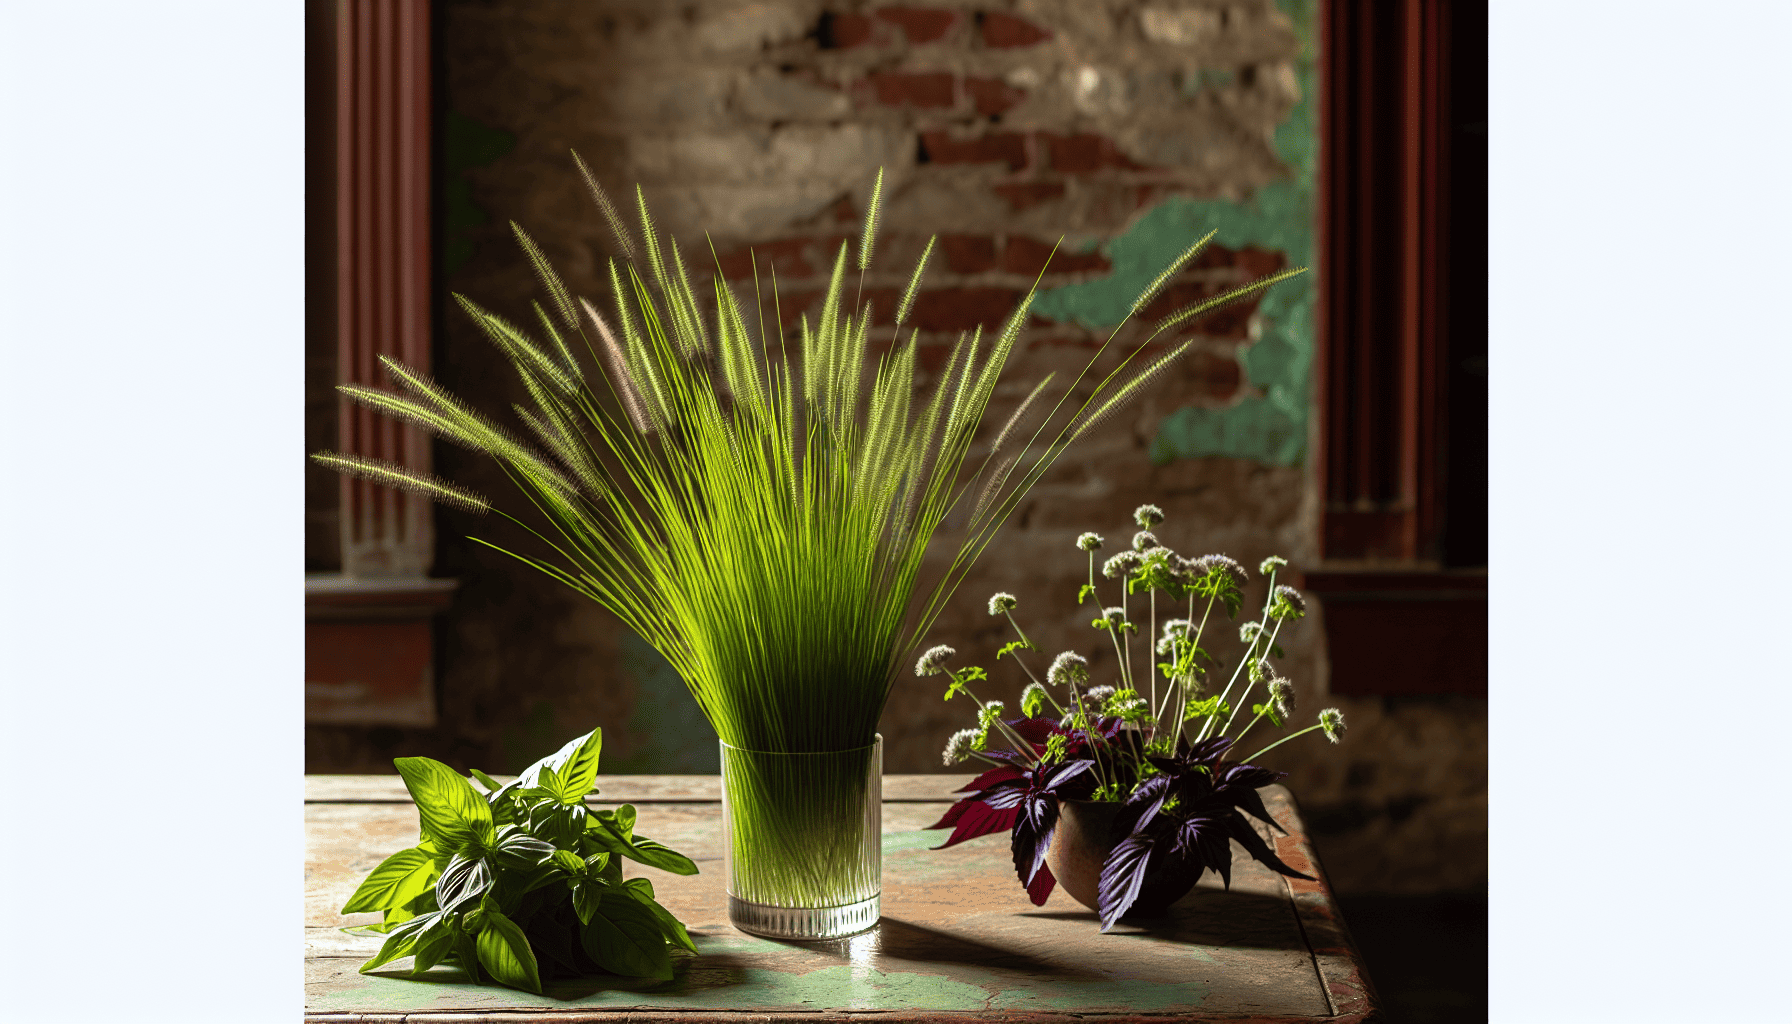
(1082, 842)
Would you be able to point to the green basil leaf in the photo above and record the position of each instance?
(567, 774)
(596, 863)
(642, 891)
(491, 785)
(561, 824)
(569, 862)
(398, 878)
(585, 899)
(454, 817)
(399, 943)
(658, 855)
(625, 820)
(504, 952)
(520, 850)
(434, 943)
(464, 880)
(624, 938)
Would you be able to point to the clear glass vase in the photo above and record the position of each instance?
(803, 835)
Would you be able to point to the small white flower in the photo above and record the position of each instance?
(1208, 563)
(1292, 598)
(1067, 668)
(1147, 516)
(1088, 541)
(1145, 540)
(1000, 603)
(1097, 694)
(1114, 614)
(959, 746)
(1281, 693)
(1249, 632)
(1270, 564)
(934, 660)
(1120, 564)
(1178, 628)
(1332, 721)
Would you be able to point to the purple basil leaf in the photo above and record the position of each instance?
(980, 819)
(1248, 776)
(996, 776)
(1122, 875)
(1202, 842)
(1065, 774)
(1254, 845)
(1249, 801)
(1032, 836)
(1208, 751)
(1042, 886)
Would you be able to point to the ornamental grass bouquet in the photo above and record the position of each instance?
(757, 506)
(1159, 751)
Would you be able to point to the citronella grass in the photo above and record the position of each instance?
(755, 506)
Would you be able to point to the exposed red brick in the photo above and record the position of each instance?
(1005, 30)
(968, 254)
(1215, 255)
(924, 89)
(1085, 153)
(993, 147)
(962, 309)
(844, 31)
(784, 254)
(1256, 262)
(1027, 255)
(1024, 194)
(1218, 377)
(992, 95)
(790, 306)
(920, 24)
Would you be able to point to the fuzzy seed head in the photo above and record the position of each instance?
(959, 746)
(1097, 694)
(1114, 614)
(1147, 516)
(1332, 721)
(1088, 541)
(934, 660)
(1270, 564)
(1001, 603)
(1145, 540)
(1249, 632)
(1068, 668)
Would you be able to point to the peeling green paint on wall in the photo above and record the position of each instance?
(1270, 427)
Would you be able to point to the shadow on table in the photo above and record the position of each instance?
(1206, 917)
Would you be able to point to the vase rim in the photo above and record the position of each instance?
(877, 742)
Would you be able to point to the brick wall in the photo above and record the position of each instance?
(1120, 127)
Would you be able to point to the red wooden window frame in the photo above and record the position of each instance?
(1400, 451)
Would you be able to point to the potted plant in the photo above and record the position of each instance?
(1129, 790)
(757, 507)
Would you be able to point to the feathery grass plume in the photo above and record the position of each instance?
(544, 272)
(1176, 266)
(1226, 298)
(914, 283)
(392, 475)
(611, 215)
(873, 210)
(1126, 393)
(622, 382)
(1007, 432)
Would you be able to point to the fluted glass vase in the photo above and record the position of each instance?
(802, 834)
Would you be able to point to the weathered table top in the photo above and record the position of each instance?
(958, 938)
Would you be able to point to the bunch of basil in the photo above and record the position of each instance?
(524, 870)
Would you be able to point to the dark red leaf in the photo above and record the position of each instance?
(980, 819)
(1042, 886)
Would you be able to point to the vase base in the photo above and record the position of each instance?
(805, 923)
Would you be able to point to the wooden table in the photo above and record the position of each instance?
(958, 938)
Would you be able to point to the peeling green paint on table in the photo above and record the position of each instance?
(1270, 428)
(957, 937)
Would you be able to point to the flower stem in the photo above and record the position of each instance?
(1281, 741)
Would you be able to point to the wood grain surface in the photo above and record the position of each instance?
(958, 937)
